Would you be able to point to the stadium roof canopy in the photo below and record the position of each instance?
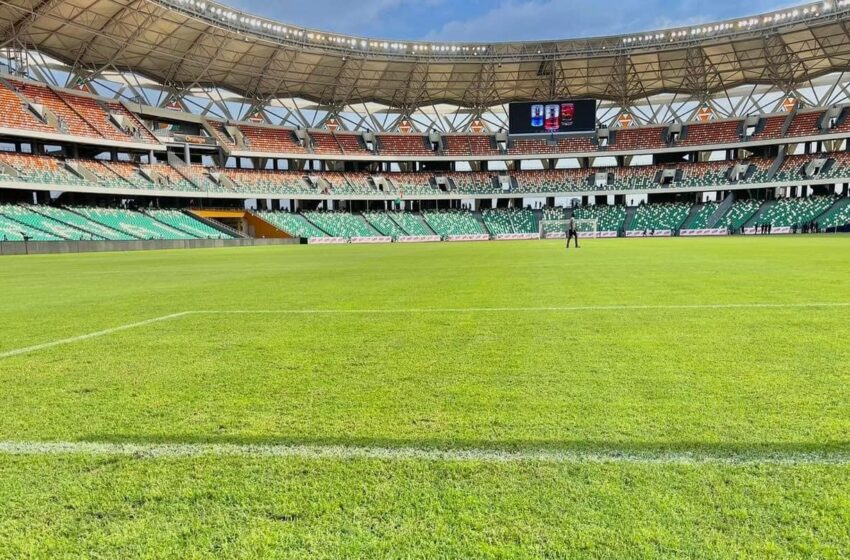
(192, 44)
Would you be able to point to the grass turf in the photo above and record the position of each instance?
(728, 381)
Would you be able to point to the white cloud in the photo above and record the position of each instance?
(366, 17)
(513, 20)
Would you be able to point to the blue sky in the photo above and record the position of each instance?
(499, 20)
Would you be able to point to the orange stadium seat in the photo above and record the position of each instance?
(704, 134)
(273, 140)
(805, 124)
(15, 115)
(403, 145)
(73, 122)
(772, 128)
(645, 138)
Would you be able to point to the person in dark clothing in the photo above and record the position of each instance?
(571, 232)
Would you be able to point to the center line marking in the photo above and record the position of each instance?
(344, 452)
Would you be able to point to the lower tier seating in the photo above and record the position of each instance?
(608, 218)
(341, 224)
(180, 221)
(413, 224)
(700, 219)
(837, 216)
(453, 222)
(384, 223)
(132, 223)
(654, 217)
(739, 214)
(509, 220)
(293, 224)
(788, 212)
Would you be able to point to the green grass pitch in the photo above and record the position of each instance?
(719, 428)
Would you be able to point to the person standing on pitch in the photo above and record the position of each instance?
(571, 232)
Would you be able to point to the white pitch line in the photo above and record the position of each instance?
(61, 341)
(37, 347)
(343, 452)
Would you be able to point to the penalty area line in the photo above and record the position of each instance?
(343, 452)
(104, 332)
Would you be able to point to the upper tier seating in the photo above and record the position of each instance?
(653, 217)
(351, 143)
(273, 140)
(341, 224)
(772, 128)
(645, 138)
(325, 143)
(805, 124)
(453, 222)
(71, 122)
(293, 224)
(98, 117)
(460, 145)
(14, 113)
(220, 134)
(720, 132)
(403, 145)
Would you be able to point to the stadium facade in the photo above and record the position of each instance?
(184, 103)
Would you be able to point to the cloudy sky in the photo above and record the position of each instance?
(499, 20)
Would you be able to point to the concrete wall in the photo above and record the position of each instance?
(55, 247)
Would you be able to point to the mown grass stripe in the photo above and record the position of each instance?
(518, 309)
(343, 452)
(580, 308)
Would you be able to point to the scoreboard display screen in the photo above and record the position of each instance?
(552, 117)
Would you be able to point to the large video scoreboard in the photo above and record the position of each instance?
(552, 117)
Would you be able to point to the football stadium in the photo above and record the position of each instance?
(271, 291)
